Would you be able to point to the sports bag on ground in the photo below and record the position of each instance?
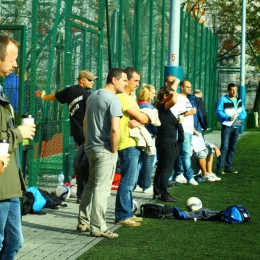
(39, 200)
(152, 210)
(200, 214)
(27, 203)
(236, 214)
(52, 201)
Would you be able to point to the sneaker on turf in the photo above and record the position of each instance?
(128, 223)
(149, 190)
(231, 170)
(181, 179)
(135, 218)
(83, 228)
(207, 178)
(138, 189)
(216, 178)
(107, 234)
(220, 171)
(192, 182)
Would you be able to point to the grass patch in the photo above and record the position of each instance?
(185, 239)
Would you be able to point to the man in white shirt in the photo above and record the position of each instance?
(184, 107)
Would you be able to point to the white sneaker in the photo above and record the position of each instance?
(192, 182)
(216, 178)
(149, 190)
(138, 189)
(208, 178)
(180, 178)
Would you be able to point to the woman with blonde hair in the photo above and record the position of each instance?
(144, 99)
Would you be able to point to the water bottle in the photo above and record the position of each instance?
(61, 178)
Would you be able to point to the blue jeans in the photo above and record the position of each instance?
(183, 164)
(229, 138)
(130, 164)
(11, 237)
(145, 173)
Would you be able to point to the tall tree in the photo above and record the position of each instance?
(224, 17)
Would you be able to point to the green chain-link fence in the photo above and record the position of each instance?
(64, 37)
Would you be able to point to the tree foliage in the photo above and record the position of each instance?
(224, 18)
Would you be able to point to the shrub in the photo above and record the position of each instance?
(251, 120)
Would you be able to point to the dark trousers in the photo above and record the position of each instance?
(79, 140)
(167, 153)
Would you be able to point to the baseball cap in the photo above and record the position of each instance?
(86, 74)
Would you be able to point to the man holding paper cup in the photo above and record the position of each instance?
(11, 181)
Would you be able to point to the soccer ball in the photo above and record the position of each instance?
(193, 204)
(135, 206)
(63, 192)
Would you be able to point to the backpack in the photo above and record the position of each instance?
(52, 201)
(152, 210)
(236, 214)
(39, 200)
(27, 203)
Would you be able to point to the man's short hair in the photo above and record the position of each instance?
(4, 41)
(86, 74)
(115, 72)
(130, 71)
(166, 79)
(231, 85)
(183, 82)
(197, 91)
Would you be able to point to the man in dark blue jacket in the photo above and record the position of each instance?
(200, 118)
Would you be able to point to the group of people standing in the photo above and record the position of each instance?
(115, 117)
(112, 123)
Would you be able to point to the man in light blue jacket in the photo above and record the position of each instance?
(231, 112)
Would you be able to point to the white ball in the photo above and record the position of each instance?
(63, 192)
(135, 206)
(193, 204)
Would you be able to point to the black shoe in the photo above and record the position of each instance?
(231, 170)
(220, 171)
(169, 199)
(156, 196)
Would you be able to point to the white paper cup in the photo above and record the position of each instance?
(27, 120)
(181, 118)
(4, 146)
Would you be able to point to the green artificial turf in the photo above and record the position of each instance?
(186, 239)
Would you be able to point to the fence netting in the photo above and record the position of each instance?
(64, 37)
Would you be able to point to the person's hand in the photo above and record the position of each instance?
(43, 93)
(27, 131)
(193, 111)
(133, 123)
(196, 133)
(5, 159)
(217, 151)
(177, 80)
(232, 118)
